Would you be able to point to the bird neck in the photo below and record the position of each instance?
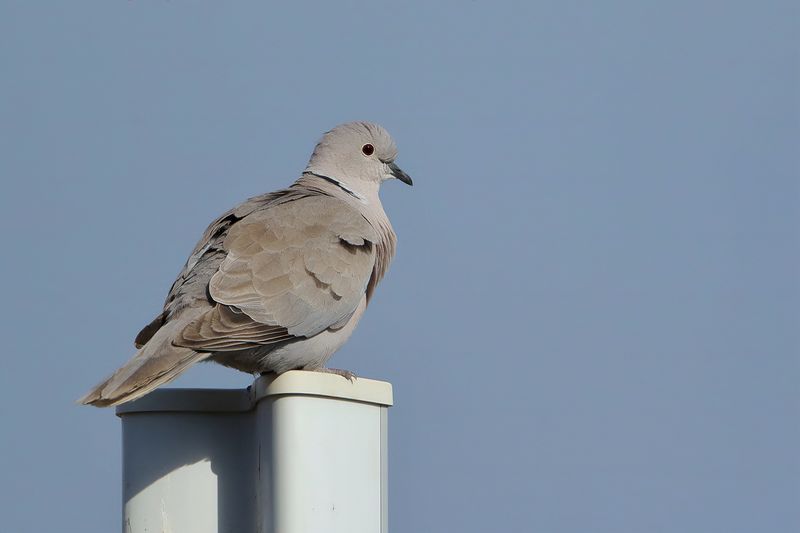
(363, 192)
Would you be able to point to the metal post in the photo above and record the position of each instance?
(305, 451)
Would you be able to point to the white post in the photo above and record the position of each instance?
(303, 452)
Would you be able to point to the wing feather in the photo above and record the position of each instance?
(292, 270)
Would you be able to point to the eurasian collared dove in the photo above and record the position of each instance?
(280, 281)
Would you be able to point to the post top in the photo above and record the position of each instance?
(299, 382)
(292, 383)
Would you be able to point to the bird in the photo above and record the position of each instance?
(280, 281)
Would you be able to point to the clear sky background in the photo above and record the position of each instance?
(592, 322)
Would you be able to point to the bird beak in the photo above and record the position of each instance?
(398, 173)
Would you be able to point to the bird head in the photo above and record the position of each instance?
(357, 155)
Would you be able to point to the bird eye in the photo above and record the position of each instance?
(368, 149)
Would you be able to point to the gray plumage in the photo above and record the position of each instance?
(280, 281)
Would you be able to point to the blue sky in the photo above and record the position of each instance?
(592, 320)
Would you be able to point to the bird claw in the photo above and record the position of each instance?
(346, 374)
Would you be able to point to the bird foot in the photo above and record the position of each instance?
(346, 374)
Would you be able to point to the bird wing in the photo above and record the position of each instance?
(291, 270)
(190, 289)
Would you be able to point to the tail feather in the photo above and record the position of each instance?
(156, 363)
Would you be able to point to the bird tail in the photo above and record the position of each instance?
(156, 363)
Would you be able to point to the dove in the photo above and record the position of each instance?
(279, 282)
